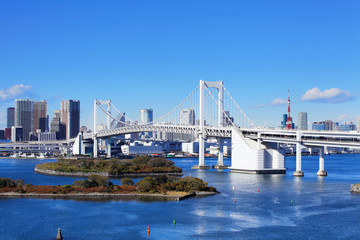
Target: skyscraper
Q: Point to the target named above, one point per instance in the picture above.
(24, 116)
(40, 116)
(119, 123)
(303, 125)
(187, 117)
(10, 117)
(55, 125)
(146, 117)
(70, 118)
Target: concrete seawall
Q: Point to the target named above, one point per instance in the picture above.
(83, 174)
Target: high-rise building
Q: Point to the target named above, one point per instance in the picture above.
(70, 118)
(2, 134)
(24, 116)
(146, 117)
(40, 116)
(328, 125)
(55, 125)
(227, 120)
(7, 134)
(187, 117)
(119, 122)
(303, 125)
(10, 117)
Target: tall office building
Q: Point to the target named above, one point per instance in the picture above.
(10, 117)
(70, 118)
(187, 117)
(40, 116)
(146, 117)
(24, 116)
(55, 125)
(227, 119)
(303, 125)
(119, 122)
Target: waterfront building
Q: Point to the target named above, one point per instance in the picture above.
(303, 125)
(187, 117)
(24, 117)
(141, 148)
(10, 117)
(318, 126)
(2, 134)
(40, 116)
(55, 125)
(327, 125)
(347, 126)
(190, 147)
(146, 117)
(70, 118)
(17, 134)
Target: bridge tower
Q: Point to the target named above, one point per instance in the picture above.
(108, 122)
(202, 134)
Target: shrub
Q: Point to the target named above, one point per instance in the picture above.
(127, 181)
(145, 185)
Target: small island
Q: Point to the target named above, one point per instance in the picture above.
(136, 167)
(168, 187)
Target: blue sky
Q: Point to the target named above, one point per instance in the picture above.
(152, 54)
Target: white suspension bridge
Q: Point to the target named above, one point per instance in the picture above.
(253, 149)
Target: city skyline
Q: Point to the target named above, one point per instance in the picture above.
(141, 59)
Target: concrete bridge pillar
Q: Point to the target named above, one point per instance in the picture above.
(95, 147)
(298, 172)
(321, 171)
(108, 141)
(220, 162)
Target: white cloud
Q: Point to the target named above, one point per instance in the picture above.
(332, 95)
(15, 91)
(278, 101)
(274, 103)
(343, 117)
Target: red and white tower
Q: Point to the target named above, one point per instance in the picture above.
(289, 119)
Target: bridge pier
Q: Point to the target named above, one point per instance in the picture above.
(95, 147)
(220, 162)
(108, 144)
(298, 172)
(321, 172)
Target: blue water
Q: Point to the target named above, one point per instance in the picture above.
(285, 208)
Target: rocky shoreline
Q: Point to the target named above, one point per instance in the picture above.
(84, 174)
